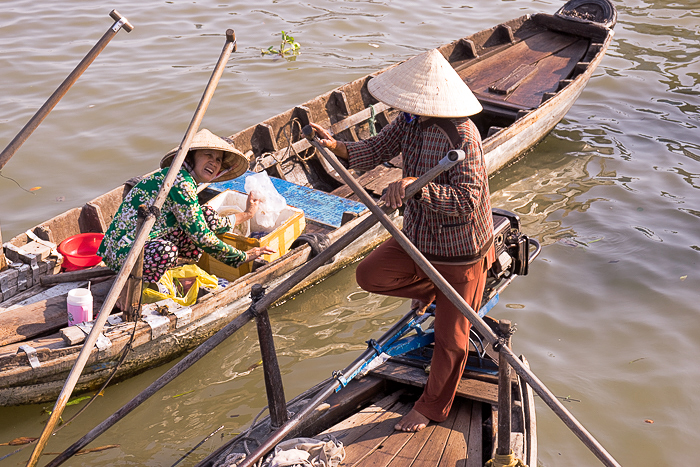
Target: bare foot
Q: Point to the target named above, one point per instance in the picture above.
(413, 421)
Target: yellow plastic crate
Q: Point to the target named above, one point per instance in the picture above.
(289, 226)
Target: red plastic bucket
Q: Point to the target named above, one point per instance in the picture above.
(79, 251)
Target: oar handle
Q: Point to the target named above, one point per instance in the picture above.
(453, 157)
(40, 115)
(121, 22)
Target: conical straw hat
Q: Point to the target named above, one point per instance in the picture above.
(205, 139)
(425, 85)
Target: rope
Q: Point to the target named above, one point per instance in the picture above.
(505, 460)
(287, 130)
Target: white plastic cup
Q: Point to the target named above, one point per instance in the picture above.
(79, 306)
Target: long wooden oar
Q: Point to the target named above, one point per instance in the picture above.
(300, 274)
(546, 395)
(133, 255)
(40, 115)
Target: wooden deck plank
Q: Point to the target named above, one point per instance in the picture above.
(413, 447)
(379, 430)
(527, 52)
(388, 450)
(388, 175)
(469, 388)
(455, 454)
(43, 317)
(475, 456)
(435, 447)
(402, 449)
(374, 181)
(550, 71)
(358, 424)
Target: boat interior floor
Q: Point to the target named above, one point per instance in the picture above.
(370, 439)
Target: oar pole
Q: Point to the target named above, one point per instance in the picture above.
(468, 312)
(40, 115)
(134, 253)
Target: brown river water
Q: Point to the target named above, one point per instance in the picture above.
(608, 316)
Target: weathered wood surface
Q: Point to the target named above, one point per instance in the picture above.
(526, 52)
(474, 389)
(357, 394)
(370, 439)
(81, 275)
(42, 317)
(530, 420)
(550, 71)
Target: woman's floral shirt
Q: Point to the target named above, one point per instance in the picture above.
(181, 210)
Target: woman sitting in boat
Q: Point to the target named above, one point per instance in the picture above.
(184, 228)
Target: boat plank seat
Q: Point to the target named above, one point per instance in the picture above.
(482, 391)
(375, 180)
(370, 439)
(527, 70)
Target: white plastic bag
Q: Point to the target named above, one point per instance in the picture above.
(272, 202)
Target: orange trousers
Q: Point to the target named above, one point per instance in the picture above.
(389, 270)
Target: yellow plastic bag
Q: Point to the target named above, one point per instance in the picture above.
(170, 285)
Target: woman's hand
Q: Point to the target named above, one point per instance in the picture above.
(257, 251)
(251, 207)
(396, 191)
(253, 203)
(337, 147)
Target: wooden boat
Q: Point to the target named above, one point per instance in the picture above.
(359, 406)
(362, 417)
(526, 72)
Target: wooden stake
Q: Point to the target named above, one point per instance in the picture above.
(276, 404)
(134, 286)
(504, 394)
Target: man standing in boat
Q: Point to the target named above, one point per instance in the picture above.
(449, 221)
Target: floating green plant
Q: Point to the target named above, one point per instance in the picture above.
(288, 49)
